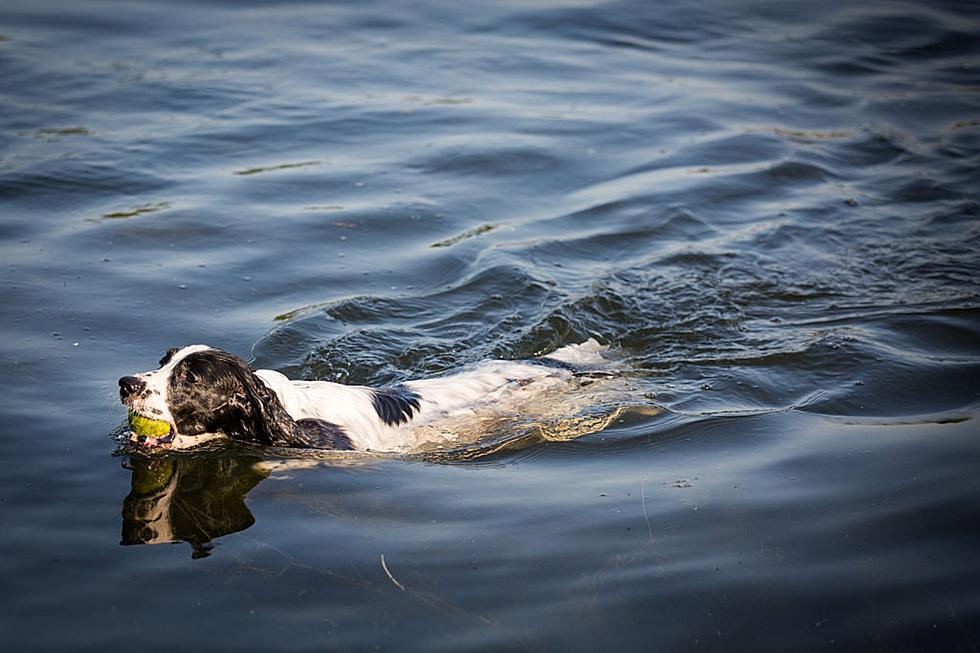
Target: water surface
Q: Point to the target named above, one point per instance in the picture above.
(769, 208)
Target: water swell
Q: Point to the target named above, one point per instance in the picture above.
(730, 316)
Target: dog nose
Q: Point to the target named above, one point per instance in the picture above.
(130, 385)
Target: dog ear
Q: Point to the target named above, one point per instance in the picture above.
(255, 414)
(270, 424)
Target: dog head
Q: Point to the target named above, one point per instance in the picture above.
(202, 392)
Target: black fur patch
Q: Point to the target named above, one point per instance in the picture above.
(167, 356)
(329, 436)
(395, 405)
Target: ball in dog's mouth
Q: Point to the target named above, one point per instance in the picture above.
(148, 431)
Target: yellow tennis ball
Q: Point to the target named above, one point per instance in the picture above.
(151, 428)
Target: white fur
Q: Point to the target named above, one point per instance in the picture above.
(351, 408)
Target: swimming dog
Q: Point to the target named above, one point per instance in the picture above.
(204, 393)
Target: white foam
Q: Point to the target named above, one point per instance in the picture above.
(589, 355)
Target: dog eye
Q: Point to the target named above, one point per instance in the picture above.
(190, 377)
(166, 357)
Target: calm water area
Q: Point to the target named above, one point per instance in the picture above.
(770, 209)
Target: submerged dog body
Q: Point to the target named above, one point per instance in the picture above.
(203, 393)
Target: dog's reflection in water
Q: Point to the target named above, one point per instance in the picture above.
(188, 499)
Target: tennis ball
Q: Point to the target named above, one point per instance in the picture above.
(151, 428)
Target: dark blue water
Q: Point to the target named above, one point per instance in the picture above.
(770, 208)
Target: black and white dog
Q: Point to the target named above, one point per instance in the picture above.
(204, 393)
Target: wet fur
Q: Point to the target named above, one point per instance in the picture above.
(212, 391)
(395, 405)
(205, 393)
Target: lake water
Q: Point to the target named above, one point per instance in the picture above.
(770, 208)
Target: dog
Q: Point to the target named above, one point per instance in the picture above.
(204, 393)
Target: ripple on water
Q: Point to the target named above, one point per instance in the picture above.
(769, 208)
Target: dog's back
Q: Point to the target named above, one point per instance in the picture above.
(447, 409)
